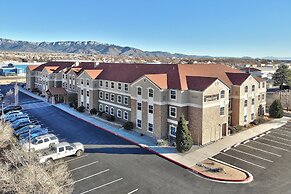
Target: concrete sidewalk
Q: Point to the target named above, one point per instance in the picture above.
(195, 155)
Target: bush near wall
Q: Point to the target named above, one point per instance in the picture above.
(128, 125)
(81, 109)
(276, 109)
(93, 111)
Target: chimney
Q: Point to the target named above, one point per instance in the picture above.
(96, 64)
(77, 63)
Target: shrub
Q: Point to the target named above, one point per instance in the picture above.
(128, 125)
(93, 111)
(110, 118)
(81, 109)
(162, 142)
(100, 113)
(276, 109)
(184, 140)
(71, 104)
(238, 128)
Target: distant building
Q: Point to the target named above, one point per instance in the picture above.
(8, 70)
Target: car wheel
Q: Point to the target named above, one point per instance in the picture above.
(79, 153)
(49, 161)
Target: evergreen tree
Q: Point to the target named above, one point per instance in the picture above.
(276, 109)
(184, 140)
(282, 76)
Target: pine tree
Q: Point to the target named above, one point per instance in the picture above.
(276, 109)
(184, 140)
(282, 76)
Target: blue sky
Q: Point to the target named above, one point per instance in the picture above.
(256, 28)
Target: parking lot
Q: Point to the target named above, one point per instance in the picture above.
(261, 155)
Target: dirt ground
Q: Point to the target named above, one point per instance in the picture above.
(226, 172)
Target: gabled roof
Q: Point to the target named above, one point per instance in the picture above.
(199, 83)
(237, 78)
(50, 69)
(60, 64)
(259, 79)
(32, 67)
(161, 80)
(56, 91)
(249, 69)
(93, 73)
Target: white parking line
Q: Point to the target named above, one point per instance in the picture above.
(262, 150)
(255, 138)
(244, 160)
(102, 186)
(272, 146)
(247, 141)
(87, 177)
(284, 131)
(83, 166)
(280, 138)
(77, 158)
(225, 150)
(280, 134)
(252, 155)
(236, 145)
(276, 142)
(133, 191)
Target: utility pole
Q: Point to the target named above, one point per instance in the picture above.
(29, 145)
(16, 93)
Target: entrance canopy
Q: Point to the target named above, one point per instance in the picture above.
(56, 91)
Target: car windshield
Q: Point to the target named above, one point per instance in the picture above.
(34, 141)
(72, 145)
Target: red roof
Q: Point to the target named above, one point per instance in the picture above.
(237, 78)
(57, 91)
(249, 69)
(161, 80)
(199, 83)
(60, 64)
(259, 79)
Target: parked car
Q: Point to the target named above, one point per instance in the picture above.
(10, 108)
(26, 137)
(16, 122)
(23, 122)
(13, 116)
(41, 142)
(12, 112)
(23, 116)
(25, 129)
(32, 130)
(61, 150)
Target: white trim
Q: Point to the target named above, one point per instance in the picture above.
(115, 105)
(101, 107)
(124, 115)
(138, 87)
(119, 96)
(137, 123)
(111, 97)
(106, 106)
(170, 111)
(101, 95)
(126, 100)
(111, 108)
(113, 91)
(148, 93)
(175, 94)
(152, 127)
(172, 121)
(170, 130)
(118, 110)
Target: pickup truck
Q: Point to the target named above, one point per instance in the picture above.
(61, 150)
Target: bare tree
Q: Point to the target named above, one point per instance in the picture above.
(10, 96)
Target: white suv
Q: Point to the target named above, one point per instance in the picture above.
(41, 142)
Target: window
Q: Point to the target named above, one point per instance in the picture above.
(263, 85)
(125, 115)
(106, 96)
(106, 84)
(87, 82)
(259, 97)
(101, 107)
(69, 148)
(138, 123)
(246, 103)
(119, 99)
(87, 106)
(172, 130)
(259, 85)
(245, 118)
(61, 149)
(46, 139)
(173, 112)
(151, 109)
(173, 94)
(119, 113)
(40, 141)
(82, 92)
(151, 93)
(87, 93)
(253, 88)
(101, 95)
(221, 111)
(253, 101)
(246, 88)
(222, 94)
(101, 83)
(63, 75)
(112, 97)
(139, 91)
(125, 100)
(82, 82)
(138, 106)
(106, 109)
(253, 116)
(150, 127)
(112, 85)
(126, 87)
(112, 111)
(263, 96)
(119, 86)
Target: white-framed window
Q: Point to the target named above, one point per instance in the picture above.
(125, 115)
(82, 92)
(119, 113)
(221, 111)
(173, 111)
(106, 84)
(139, 92)
(82, 81)
(263, 85)
(101, 107)
(246, 89)
(119, 86)
(222, 94)
(151, 93)
(263, 96)
(87, 81)
(173, 94)
(125, 100)
(119, 99)
(87, 93)
(126, 87)
(252, 116)
(259, 85)
(111, 111)
(138, 123)
(106, 96)
(101, 95)
(253, 101)
(246, 103)
(87, 106)
(151, 109)
(106, 109)
(172, 130)
(101, 83)
(112, 85)
(253, 88)
(138, 106)
(112, 97)
(150, 127)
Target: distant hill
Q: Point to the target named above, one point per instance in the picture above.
(84, 47)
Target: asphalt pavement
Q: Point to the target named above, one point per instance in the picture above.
(113, 165)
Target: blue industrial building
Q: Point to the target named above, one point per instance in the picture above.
(10, 69)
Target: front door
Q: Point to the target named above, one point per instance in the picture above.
(224, 130)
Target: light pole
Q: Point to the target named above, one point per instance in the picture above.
(29, 144)
(16, 93)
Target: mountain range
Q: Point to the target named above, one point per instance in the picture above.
(84, 47)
